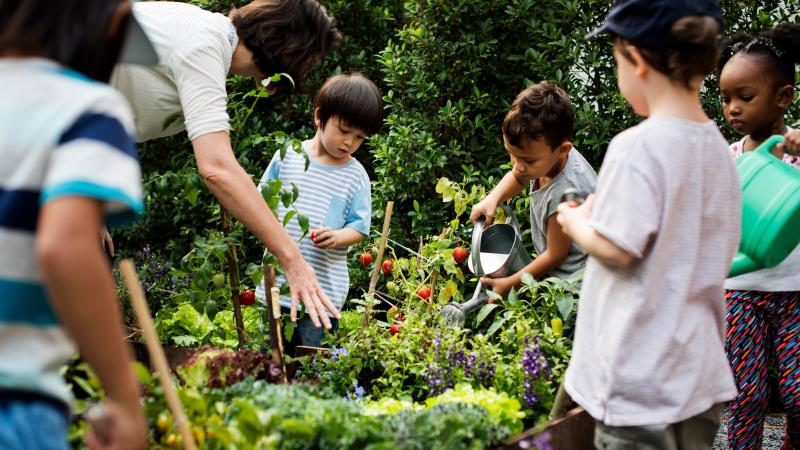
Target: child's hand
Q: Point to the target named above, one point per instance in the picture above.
(791, 143)
(501, 286)
(570, 215)
(324, 238)
(485, 208)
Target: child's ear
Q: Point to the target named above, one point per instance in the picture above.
(641, 67)
(785, 96)
(564, 148)
(317, 121)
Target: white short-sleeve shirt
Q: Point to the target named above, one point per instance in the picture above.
(187, 89)
(650, 338)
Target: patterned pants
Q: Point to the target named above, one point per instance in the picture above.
(761, 324)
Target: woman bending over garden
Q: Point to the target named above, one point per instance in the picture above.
(198, 50)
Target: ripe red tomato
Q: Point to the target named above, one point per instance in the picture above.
(365, 258)
(424, 293)
(460, 254)
(313, 236)
(394, 329)
(247, 298)
(387, 267)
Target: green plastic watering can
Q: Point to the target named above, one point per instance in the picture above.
(771, 209)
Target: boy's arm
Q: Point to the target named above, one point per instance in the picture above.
(575, 222)
(81, 292)
(510, 186)
(341, 238)
(558, 244)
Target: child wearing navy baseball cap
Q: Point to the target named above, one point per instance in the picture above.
(649, 360)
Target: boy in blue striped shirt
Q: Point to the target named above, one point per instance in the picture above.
(67, 165)
(334, 192)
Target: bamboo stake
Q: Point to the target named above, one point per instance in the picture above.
(387, 220)
(157, 357)
(273, 313)
(233, 273)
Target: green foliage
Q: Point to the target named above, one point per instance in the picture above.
(449, 70)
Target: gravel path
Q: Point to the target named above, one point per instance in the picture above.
(773, 433)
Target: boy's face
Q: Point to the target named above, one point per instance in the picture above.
(339, 140)
(628, 82)
(534, 158)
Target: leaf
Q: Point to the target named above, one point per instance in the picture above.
(496, 325)
(513, 299)
(565, 304)
(527, 279)
(485, 311)
(142, 372)
(288, 216)
(303, 221)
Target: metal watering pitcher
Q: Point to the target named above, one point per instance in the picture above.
(498, 239)
(503, 241)
(771, 209)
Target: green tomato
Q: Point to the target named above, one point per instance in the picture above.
(219, 280)
(392, 287)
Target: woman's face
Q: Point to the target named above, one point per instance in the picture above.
(750, 101)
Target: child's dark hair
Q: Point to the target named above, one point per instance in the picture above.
(778, 49)
(286, 35)
(542, 109)
(697, 46)
(354, 99)
(70, 32)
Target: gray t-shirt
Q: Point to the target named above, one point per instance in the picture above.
(578, 175)
(650, 338)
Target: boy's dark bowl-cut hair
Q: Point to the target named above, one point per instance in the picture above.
(354, 99)
(698, 39)
(542, 109)
(286, 36)
(70, 32)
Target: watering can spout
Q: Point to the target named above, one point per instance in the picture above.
(742, 265)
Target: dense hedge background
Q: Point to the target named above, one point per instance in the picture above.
(448, 69)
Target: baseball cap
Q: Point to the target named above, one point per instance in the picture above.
(648, 22)
(137, 49)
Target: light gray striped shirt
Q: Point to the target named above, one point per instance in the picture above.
(650, 338)
(330, 196)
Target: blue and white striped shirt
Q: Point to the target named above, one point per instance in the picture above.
(330, 196)
(61, 134)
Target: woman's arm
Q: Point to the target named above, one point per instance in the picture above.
(234, 189)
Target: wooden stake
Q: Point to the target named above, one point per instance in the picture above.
(233, 274)
(273, 313)
(157, 357)
(387, 220)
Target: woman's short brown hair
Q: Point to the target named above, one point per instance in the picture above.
(286, 35)
(542, 109)
(354, 99)
(699, 38)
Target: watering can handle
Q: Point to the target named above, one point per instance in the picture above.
(511, 219)
(475, 250)
(767, 146)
